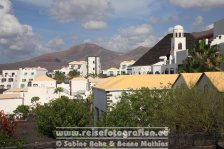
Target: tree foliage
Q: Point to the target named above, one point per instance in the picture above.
(22, 109)
(188, 110)
(7, 128)
(59, 77)
(73, 73)
(203, 57)
(61, 112)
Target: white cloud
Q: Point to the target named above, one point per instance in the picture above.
(70, 10)
(130, 38)
(163, 20)
(198, 21)
(134, 8)
(42, 3)
(208, 27)
(198, 3)
(95, 25)
(17, 40)
(56, 44)
(170, 30)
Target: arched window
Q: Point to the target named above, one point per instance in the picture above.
(176, 35)
(157, 72)
(179, 34)
(179, 46)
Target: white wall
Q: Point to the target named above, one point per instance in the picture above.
(141, 69)
(27, 75)
(111, 72)
(9, 105)
(82, 68)
(44, 83)
(8, 78)
(93, 65)
(104, 100)
(79, 86)
(45, 94)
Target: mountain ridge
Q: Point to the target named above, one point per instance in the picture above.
(56, 60)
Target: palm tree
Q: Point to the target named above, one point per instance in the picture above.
(35, 99)
(203, 57)
(59, 90)
(34, 102)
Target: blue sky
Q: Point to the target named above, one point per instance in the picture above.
(30, 28)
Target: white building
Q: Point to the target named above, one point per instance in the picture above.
(108, 93)
(27, 75)
(141, 69)
(8, 78)
(111, 72)
(64, 70)
(166, 55)
(218, 33)
(44, 81)
(80, 86)
(11, 99)
(124, 67)
(80, 66)
(42, 87)
(93, 65)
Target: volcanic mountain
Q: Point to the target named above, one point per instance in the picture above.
(56, 60)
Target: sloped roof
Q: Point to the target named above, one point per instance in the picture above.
(44, 78)
(9, 96)
(17, 90)
(128, 62)
(78, 62)
(78, 78)
(113, 68)
(217, 79)
(124, 82)
(191, 78)
(162, 48)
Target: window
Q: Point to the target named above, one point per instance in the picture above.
(13, 74)
(111, 73)
(29, 84)
(8, 86)
(22, 85)
(123, 66)
(3, 79)
(179, 46)
(35, 85)
(25, 73)
(166, 71)
(171, 71)
(10, 79)
(93, 62)
(157, 72)
(2, 86)
(220, 37)
(123, 72)
(93, 68)
(176, 35)
(32, 73)
(6, 74)
(23, 80)
(179, 34)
